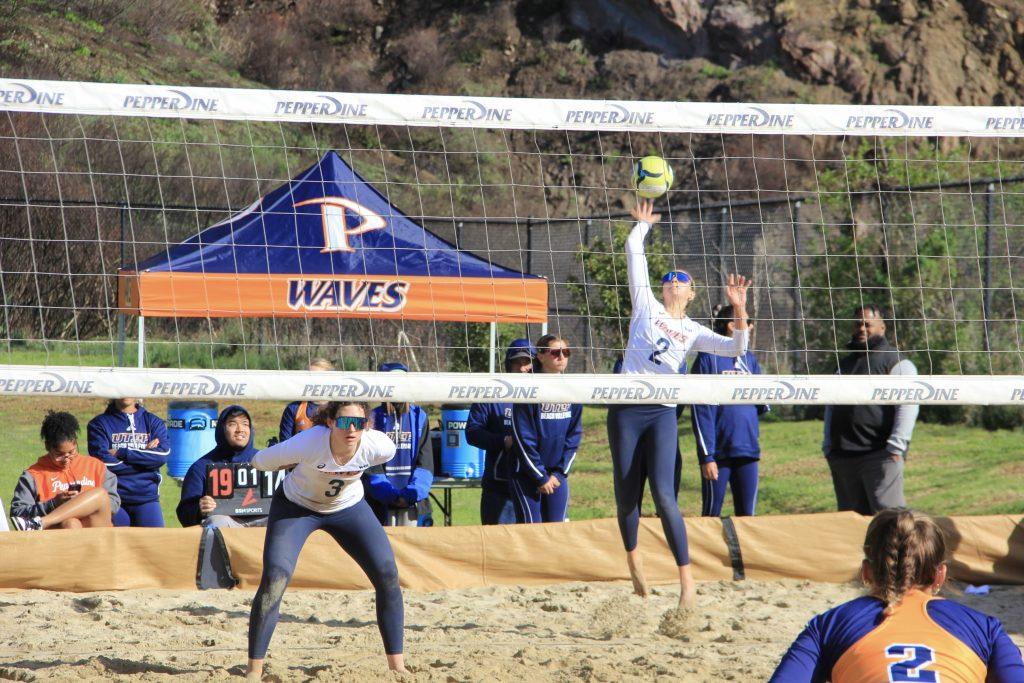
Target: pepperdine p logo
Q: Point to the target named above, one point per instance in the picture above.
(753, 117)
(202, 385)
(330, 106)
(926, 392)
(610, 114)
(53, 384)
(347, 388)
(177, 100)
(496, 389)
(336, 230)
(784, 391)
(894, 119)
(22, 93)
(640, 391)
(473, 111)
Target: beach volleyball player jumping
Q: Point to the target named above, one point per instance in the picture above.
(644, 438)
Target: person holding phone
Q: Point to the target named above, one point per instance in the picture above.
(64, 489)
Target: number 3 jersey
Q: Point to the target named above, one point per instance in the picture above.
(926, 639)
(317, 482)
(659, 343)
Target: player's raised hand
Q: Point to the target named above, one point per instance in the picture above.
(736, 290)
(644, 212)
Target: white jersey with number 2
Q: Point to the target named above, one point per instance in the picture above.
(659, 343)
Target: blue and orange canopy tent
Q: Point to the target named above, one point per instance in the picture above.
(327, 244)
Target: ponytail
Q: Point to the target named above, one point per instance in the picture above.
(904, 550)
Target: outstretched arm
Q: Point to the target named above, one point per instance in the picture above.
(640, 293)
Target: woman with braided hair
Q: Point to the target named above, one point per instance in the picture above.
(901, 631)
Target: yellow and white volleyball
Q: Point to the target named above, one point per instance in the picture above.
(652, 177)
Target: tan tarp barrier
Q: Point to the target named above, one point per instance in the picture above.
(821, 547)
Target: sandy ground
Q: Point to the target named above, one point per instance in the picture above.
(590, 632)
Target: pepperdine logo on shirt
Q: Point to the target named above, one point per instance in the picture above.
(926, 392)
(329, 106)
(473, 111)
(895, 119)
(782, 391)
(22, 93)
(57, 486)
(347, 388)
(640, 391)
(53, 383)
(496, 389)
(752, 117)
(611, 114)
(176, 100)
(201, 385)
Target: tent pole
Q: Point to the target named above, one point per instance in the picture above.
(494, 345)
(142, 341)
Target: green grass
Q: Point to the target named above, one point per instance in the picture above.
(952, 470)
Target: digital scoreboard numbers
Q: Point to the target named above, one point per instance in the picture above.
(241, 490)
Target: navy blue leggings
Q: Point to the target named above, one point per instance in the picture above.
(358, 532)
(644, 441)
(533, 507)
(141, 514)
(739, 474)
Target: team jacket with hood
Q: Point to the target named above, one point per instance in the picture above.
(547, 435)
(35, 495)
(410, 473)
(486, 428)
(193, 487)
(729, 431)
(136, 466)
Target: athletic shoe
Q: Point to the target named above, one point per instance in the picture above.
(28, 523)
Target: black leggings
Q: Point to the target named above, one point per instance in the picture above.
(358, 532)
(644, 441)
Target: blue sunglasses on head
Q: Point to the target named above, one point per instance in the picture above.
(677, 275)
(345, 422)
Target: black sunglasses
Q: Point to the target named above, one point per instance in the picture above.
(557, 353)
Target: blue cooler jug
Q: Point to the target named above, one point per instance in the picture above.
(191, 427)
(458, 458)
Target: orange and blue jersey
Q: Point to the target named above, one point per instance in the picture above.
(926, 639)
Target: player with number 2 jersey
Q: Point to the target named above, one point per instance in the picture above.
(644, 438)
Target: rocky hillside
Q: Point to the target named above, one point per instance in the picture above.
(870, 51)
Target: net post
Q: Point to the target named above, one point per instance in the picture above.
(494, 346)
(986, 298)
(142, 341)
(120, 314)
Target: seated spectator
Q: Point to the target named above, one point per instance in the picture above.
(399, 490)
(63, 489)
(298, 416)
(490, 427)
(901, 631)
(133, 443)
(234, 444)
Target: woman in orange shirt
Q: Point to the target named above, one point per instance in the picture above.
(64, 489)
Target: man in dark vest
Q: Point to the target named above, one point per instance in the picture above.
(866, 445)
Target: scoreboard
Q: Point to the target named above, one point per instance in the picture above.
(241, 490)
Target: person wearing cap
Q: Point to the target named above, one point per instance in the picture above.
(398, 491)
(644, 439)
(490, 427)
(298, 416)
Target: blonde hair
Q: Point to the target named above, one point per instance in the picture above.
(321, 363)
(904, 550)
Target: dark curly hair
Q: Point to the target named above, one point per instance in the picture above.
(58, 428)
